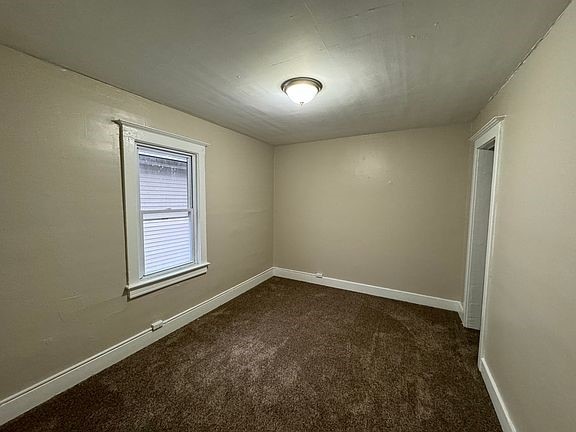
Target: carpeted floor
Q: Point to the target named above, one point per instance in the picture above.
(289, 356)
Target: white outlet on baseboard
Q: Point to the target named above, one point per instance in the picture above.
(156, 325)
(319, 275)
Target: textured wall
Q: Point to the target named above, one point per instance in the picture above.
(61, 221)
(385, 209)
(531, 322)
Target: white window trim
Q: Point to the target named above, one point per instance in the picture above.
(131, 135)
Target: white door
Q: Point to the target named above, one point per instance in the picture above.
(479, 220)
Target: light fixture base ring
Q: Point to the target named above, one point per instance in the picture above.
(312, 81)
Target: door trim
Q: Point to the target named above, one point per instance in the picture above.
(491, 132)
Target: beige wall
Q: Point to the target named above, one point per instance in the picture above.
(62, 269)
(386, 209)
(531, 322)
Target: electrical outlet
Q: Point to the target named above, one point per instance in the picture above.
(156, 325)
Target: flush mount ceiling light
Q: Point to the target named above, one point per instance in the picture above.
(301, 90)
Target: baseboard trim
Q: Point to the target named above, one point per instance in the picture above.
(421, 299)
(461, 315)
(19, 403)
(496, 397)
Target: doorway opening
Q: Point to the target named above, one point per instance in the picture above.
(479, 217)
(487, 146)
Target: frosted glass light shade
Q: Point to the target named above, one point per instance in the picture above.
(301, 90)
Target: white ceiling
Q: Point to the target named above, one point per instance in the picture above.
(385, 64)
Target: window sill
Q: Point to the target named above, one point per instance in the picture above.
(155, 283)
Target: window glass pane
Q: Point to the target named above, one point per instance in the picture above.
(167, 242)
(163, 180)
(164, 199)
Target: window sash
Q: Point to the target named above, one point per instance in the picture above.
(175, 214)
(168, 245)
(170, 155)
(169, 214)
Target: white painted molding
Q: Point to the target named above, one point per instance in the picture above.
(134, 136)
(461, 314)
(491, 123)
(19, 403)
(496, 397)
(160, 132)
(492, 131)
(421, 299)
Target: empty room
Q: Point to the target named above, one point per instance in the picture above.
(274, 215)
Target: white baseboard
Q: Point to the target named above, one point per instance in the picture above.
(421, 299)
(496, 397)
(461, 315)
(19, 403)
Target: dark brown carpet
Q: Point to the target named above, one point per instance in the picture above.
(289, 356)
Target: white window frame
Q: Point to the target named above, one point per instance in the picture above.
(132, 135)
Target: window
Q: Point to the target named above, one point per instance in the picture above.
(164, 205)
(166, 208)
